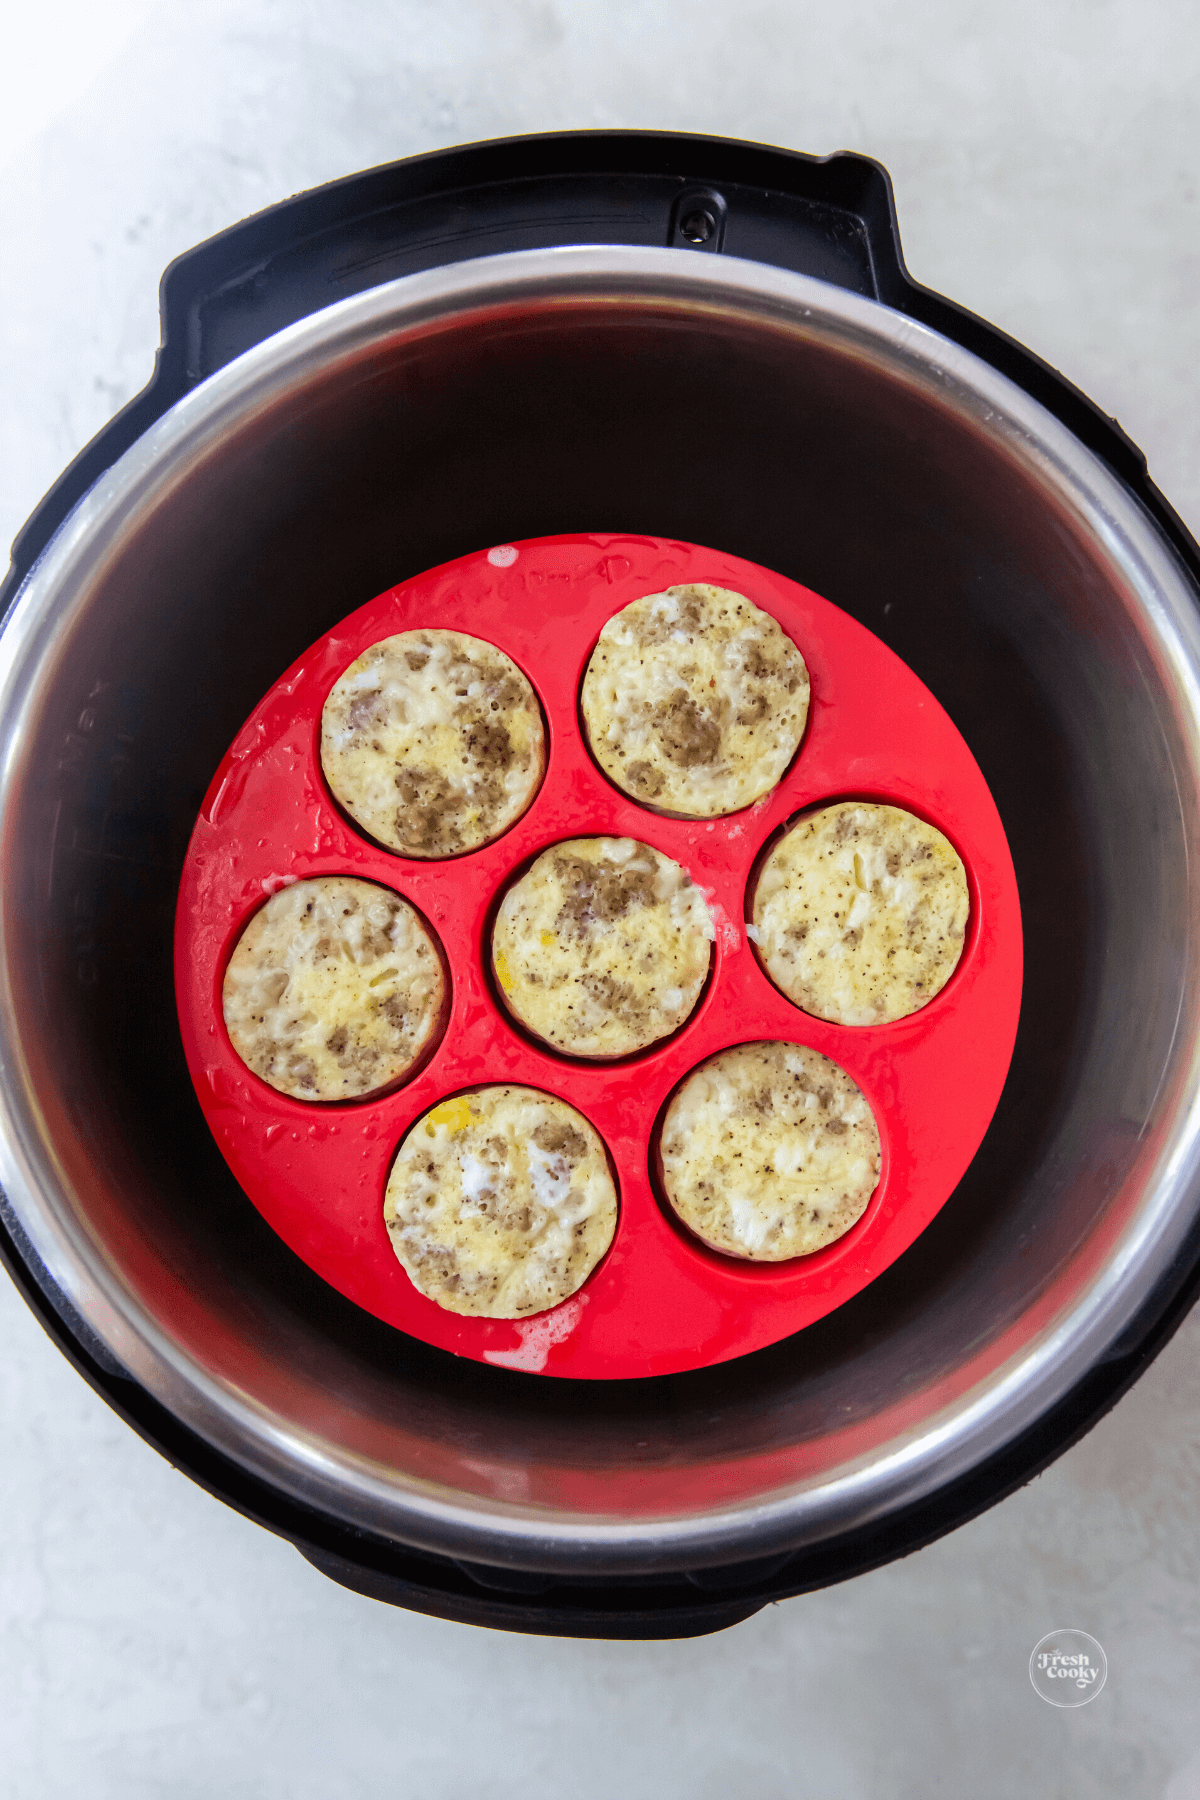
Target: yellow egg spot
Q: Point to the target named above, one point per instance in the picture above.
(503, 975)
(547, 937)
(455, 1115)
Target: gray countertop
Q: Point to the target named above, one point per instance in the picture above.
(153, 1643)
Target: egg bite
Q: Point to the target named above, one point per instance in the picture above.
(602, 947)
(768, 1151)
(335, 990)
(860, 913)
(694, 701)
(433, 743)
(500, 1202)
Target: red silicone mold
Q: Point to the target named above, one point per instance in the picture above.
(659, 1302)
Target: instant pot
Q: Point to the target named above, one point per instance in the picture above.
(634, 333)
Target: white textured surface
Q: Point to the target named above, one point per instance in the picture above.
(153, 1644)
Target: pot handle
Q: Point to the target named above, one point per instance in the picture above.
(471, 1595)
(831, 217)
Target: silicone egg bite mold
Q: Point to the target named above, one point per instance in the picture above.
(659, 1301)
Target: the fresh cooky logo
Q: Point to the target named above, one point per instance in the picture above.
(1068, 1668)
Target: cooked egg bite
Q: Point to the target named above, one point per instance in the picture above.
(500, 1202)
(860, 912)
(769, 1151)
(335, 990)
(694, 701)
(602, 947)
(433, 742)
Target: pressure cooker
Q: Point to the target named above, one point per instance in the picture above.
(646, 333)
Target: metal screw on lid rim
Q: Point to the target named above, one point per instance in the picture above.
(697, 227)
(698, 220)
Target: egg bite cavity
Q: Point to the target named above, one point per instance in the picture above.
(694, 701)
(336, 990)
(860, 913)
(500, 1202)
(602, 947)
(433, 742)
(768, 1152)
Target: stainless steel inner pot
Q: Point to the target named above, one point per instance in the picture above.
(626, 390)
